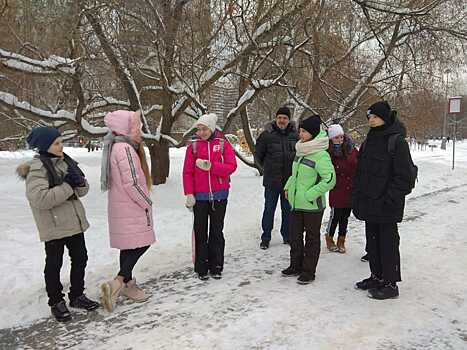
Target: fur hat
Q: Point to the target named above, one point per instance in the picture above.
(335, 130)
(42, 137)
(208, 120)
(312, 125)
(284, 111)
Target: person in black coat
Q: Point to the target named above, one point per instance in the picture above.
(275, 152)
(381, 182)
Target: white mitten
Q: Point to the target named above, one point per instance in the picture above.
(190, 201)
(203, 164)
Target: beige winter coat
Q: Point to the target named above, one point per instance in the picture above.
(56, 215)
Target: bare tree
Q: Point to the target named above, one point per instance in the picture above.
(164, 58)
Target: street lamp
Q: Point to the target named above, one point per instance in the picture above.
(443, 139)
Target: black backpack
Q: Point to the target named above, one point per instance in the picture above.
(392, 151)
(413, 168)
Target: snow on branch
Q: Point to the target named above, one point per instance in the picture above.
(396, 9)
(301, 103)
(59, 118)
(105, 102)
(246, 98)
(259, 34)
(93, 130)
(52, 65)
(12, 101)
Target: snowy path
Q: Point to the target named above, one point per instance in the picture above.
(252, 307)
(187, 313)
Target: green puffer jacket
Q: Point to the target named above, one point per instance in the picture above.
(55, 213)
(312, 175)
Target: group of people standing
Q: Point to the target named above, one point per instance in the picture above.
(299, 168)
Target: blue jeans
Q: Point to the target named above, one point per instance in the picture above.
(271, 196)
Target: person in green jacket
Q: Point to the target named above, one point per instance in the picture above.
(312, 176)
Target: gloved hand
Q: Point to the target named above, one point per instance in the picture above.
(203, 164)
(190, 202)
(74, 177)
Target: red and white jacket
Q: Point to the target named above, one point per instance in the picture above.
(214, 183)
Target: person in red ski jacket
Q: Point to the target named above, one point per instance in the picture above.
(209, 162)
(344, 158)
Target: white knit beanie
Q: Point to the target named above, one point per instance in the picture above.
(335, 130)
(208, 120)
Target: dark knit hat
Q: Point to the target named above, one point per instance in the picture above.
(382, 109)
(284, 111)
(312, 125)
(42, 137)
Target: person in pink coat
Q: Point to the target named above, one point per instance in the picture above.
(209, 162)
(126, 176)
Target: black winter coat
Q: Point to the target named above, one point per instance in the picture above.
(382, 180)
(275, 152)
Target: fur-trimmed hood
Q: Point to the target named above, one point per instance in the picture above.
(22, 170)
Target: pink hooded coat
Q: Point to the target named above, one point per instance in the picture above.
(129, 204)
(223, 164)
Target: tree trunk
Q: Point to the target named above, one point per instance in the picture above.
(160, 162)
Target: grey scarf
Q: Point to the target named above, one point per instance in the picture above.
(109, 140)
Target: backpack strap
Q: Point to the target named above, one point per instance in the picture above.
(392, 144)
(362, 147)
(193, 147)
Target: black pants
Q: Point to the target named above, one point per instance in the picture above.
(339, 216)
(128, 260)
(383, 250)
(305, 256)
(209, 248)
(53, 264)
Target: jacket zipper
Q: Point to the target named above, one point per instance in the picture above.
(296, 178)
(211, 197)
(148, 220)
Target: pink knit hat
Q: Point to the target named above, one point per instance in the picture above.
(125, 123)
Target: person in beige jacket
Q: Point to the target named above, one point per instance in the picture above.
(54, 183)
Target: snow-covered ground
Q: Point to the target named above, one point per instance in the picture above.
(252, 307)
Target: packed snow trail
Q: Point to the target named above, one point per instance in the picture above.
(186, 313)
(252, 307)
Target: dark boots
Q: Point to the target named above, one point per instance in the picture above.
(305, 278)
(387, 291)
(60, 311)
(264, 245)
(83, 302)
(369, 283)
(291, 271)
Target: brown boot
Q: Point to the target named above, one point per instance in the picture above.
(110, 293)
(330, 243)
(341, 244)
(133, 292)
